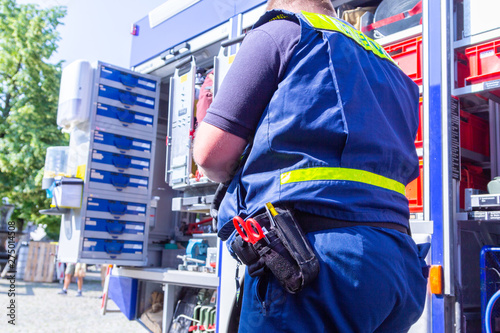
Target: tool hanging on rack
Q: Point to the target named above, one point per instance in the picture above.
(392, 16)
(194, 228)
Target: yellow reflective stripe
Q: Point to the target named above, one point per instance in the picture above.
(353, 175)
(324, 22)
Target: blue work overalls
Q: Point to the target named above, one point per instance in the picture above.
(337, 140)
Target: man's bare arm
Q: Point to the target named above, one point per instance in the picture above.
(216, 152)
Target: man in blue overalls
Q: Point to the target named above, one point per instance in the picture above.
(329, 122)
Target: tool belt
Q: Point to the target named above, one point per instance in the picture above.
(312, 223)
(285, 252)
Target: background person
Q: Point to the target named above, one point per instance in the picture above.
(78, 270)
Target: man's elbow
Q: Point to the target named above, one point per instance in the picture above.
(204, 156)
(213, 173)
(209, 166)
(217, 152)
(200, 158)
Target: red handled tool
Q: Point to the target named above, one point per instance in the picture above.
(252, 231)
(417, 9)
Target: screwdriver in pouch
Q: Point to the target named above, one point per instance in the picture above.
(271, 213)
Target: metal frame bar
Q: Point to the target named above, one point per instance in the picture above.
(494, 114)
(168, 306)
(448, 197)
(443, 189)
(425, 116)
(433, 194)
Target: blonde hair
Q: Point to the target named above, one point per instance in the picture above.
(315, 6)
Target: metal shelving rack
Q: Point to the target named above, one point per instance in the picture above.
(442, 218)
(456, 309)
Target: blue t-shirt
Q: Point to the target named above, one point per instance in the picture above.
(253, 78)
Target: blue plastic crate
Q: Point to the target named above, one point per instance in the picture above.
(125, 116)
(120, 161)
(127, 98)
(115, 207)
(113, 228)
(122, 143)
(127, 79)
(119, 181)
(490, 282)
(112, 246)
(123, 291)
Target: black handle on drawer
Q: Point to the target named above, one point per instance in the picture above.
(113, 247)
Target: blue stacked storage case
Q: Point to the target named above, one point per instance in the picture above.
(118, 179)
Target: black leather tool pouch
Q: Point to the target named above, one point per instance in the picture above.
(285, 252)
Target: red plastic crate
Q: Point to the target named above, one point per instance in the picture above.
(408, 55)
(462, 70)
(419, 140)
(472, 177)
(415, 191)
(474, 133)
(484, 61)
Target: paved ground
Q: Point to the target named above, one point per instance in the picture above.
(40, 309)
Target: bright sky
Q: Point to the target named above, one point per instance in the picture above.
(97, 29)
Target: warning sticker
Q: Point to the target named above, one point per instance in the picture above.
(133, 246)
(136, 208)
(147, 84)
(138, 181)
(141, 163)
(486, 54)
(141, 144)
(146, 119)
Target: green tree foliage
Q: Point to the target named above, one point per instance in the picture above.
(29, 90)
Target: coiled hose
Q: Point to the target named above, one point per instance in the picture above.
(489, 310)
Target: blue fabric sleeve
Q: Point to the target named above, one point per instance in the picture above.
(253, 78)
